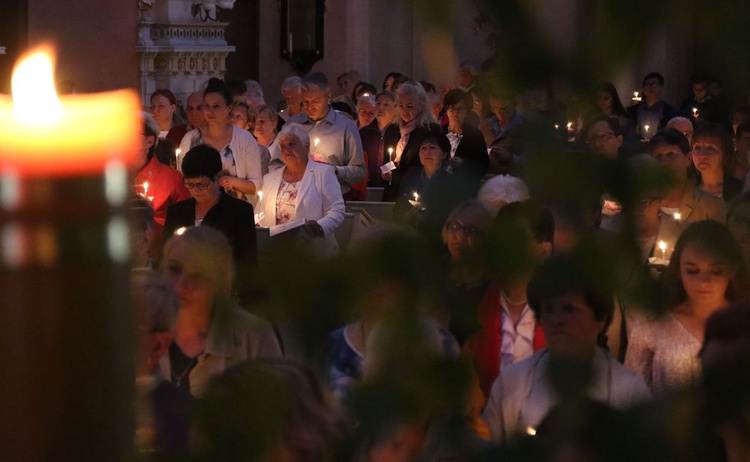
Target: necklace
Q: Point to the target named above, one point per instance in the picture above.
(177, 379)
(511, 302)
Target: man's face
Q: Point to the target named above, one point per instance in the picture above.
(569, 326)
(700, 90)
(503, 109)
(194, 109)
(602, 140)
(293, 100)
(672, 157)
(652, 88)
(684, 127)
(315, 103)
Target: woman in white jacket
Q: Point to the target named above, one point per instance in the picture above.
(303, 192)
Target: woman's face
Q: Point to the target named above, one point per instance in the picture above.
(240, 117)
(431, 156)
(385, 109)
(707, 155)
(215, 109)
(389, 83)
(408, 107)
(294, 151)
(264, 128)
(462, 234)
(162, 110)
(202, 188)
(192, 289)
(704, 276)
(604, 101)
(457, 113)
(366, 113)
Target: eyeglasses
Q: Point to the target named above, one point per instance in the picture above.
(600, 138)
(456, 109)
(202, 186)
(468, 230)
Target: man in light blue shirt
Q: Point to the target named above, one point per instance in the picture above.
(334, 138)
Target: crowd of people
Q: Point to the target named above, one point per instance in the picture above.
(560, 280)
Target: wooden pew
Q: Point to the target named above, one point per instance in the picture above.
(379, 211)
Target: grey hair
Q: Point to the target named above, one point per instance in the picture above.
(366, 99)
(155, 301)
(414, 89)
(268, 111)
(316, 81)
(254, 90)
(675, 120)
(296, 131)
(291, 83)
(503, 187)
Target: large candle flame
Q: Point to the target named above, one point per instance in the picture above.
(33, 87)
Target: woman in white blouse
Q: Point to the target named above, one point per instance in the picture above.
(240, 154)
(303, 191)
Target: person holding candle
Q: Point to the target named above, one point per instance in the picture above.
(302, 191)
(608, 102)
(712, 155)
(468, 148)
(340, 146)
(415, 121)
(240, 154)
(212, 206)
(159, 184)
(685, 203)
(212, 333)
(701, 105)
(163, 105)
(428, 193)
(291, 90)
(707, 272)
(373, 134)
(652, 110)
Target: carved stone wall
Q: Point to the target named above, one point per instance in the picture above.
(177, 50)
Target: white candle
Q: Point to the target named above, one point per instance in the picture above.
(390, 154)
(677, 216)
(663, 248)
(315, 143)
(177, 153)
(636, 96)
(416, 197)
(260, 196)
(646, 127)
(695, 112)
(570, 125)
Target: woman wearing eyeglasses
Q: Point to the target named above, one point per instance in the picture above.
(468, 149)
(211, 206)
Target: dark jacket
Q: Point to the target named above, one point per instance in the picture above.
(410, 156)
(473, 151)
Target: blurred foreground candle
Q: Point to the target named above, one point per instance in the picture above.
(66, 330)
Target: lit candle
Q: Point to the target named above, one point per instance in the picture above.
(180, 231)
(416, 197)
(695, 112)
(663, 248)
(390, 154)
(260, 195)
(646, 127)
(177, 152)
(531, 431)
(677, 216)
(315, 143)
(365, 94)
(557, 127)
(65, 250)
(145, 188)
(636, 96)
(78, 134)
(570, 125)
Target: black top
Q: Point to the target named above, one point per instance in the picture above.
(410, 156)
(473, 151)
(231, 216)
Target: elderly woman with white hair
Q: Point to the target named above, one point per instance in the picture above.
(303, 192)
(501, 190)
(212, 333)
(405, 138)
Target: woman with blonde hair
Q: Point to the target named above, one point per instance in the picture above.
(212, 333)
(415, 120)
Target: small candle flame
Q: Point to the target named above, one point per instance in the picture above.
(646, 127)
(315, 143)
(260, 195)
(531, 431)
(33, 89)
(677, 216)
(416, 197)
(662, 246)
(145, 187)
(570, 125)
(365, 94)
(695, 112)
(557, 127)
(180, 231)
(177, 152)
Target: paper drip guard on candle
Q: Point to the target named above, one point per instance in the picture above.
(66, 329)
(387, 167)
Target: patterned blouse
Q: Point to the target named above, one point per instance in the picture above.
(286, 202)
(663, 353)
